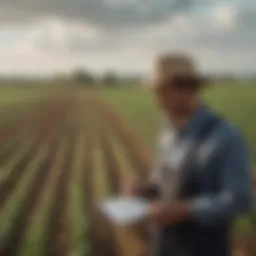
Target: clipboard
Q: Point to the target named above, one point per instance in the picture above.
(124, 210)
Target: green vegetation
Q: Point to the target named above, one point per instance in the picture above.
(124, 165)
(78, 223)
(237, 103)
(137, 107)
(34, 236)
(14, 159)
(16, 200)
(100, 174)
(18, 99)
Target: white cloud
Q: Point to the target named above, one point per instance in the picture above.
(226, 16)
(219, 35)
(121, 3)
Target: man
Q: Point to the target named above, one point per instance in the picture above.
(201, 180)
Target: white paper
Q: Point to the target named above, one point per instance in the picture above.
(124, 210)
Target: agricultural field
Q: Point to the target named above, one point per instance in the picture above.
(235, 102)
(64, 151)
(56, 162)
(18, 99)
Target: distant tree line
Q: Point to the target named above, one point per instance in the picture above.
(109, 78)
(87, 78)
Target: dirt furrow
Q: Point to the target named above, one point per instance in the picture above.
(140, 157)
(139, 162)
(11, 244)
(25, 120)
(110, 242)
(136, 160)
(7, 185)
(6, 154)
(110, 162)
(98, 233)
(57, 239)
(115, 241)
(131, 240)
(24, 127)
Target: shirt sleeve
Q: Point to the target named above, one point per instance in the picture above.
(236, 196)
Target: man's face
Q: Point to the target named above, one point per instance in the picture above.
(178, 98)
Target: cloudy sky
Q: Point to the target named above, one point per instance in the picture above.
(45, 36)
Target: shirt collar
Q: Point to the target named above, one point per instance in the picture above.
(196, 121)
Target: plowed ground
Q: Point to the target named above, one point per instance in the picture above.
(55, 165)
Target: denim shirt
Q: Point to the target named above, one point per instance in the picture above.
(222, 164)
(219, 187)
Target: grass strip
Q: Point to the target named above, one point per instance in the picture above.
(15, 202)
(100, 174)
(78, 222)
(33, 242)
(6, 169)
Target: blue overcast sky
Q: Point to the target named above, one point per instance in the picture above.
(45, 36)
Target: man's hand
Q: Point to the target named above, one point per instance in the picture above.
(166, 214)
